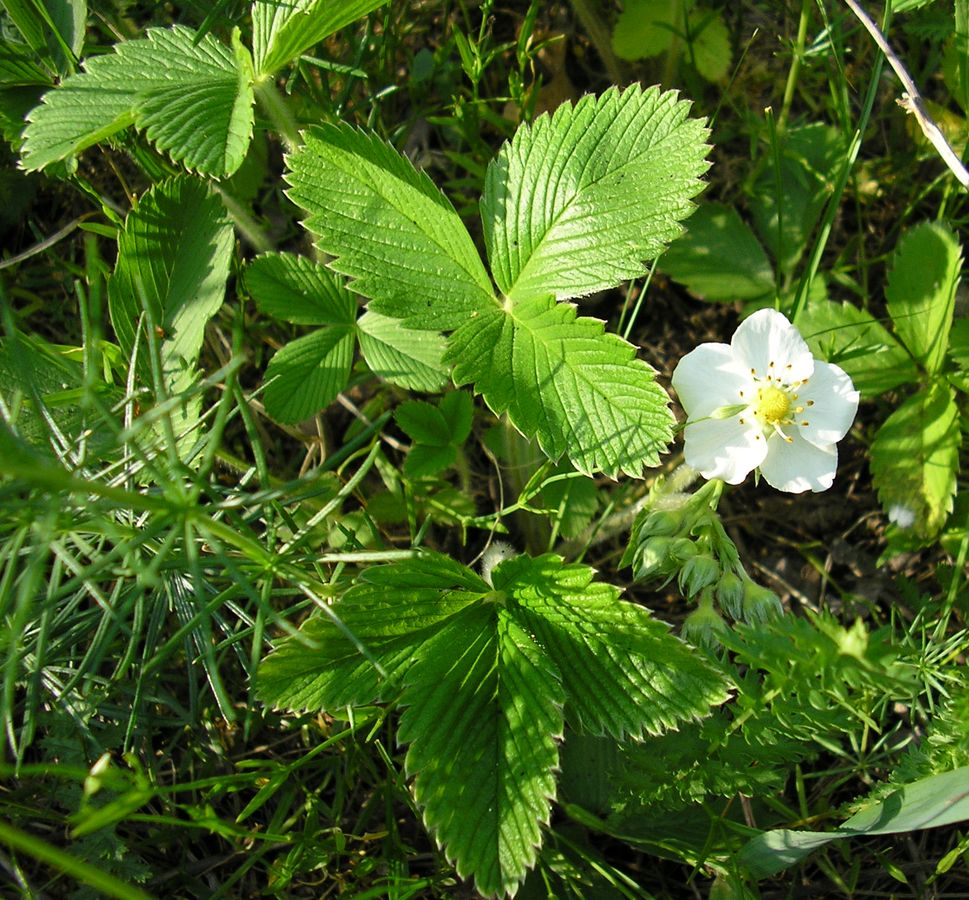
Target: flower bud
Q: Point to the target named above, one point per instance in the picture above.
(760, 604)
(703, 627)
(662, 522)
(683, 549)
(730, 594)
(697, 573)
(654, 557)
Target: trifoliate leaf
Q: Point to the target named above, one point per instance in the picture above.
(192, 99)
(389, 227)
(921, 291)
(402, 356)
(580, 391)
(305, 375)
(298, 290)
(850, 338)
(436, 430)
(483, 694)
(915, 460)
(173, 262)
(282, 30)
(719, 257)
(574, 618)
(577, 201)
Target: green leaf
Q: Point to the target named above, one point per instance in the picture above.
(709, 45)
(429, 459)
(19, 68)
(915, 459)
(298, 290)
(577, 201)
(663, 679)
(921, 291)
(305, 375)
(54, 29)
(389, 227)
(424, 423)
(580, 391)
(483, 719)
(282, 30)
(719, 257)
(959, 343)
(173, 262)
(405, 357)
(483, 693)
(646, 28)
(930, 803)
(436, 430)
(808, 156)
(458, 410)
(192, 100)
(850, 338)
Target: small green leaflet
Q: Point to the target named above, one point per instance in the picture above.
(437, 432)
(915, 458)
(307, 374)
(173, 262)
(487, 678)
(921, 291)
(578, 201)
(192, 100)
(391, 230)
(405, 357)
(284, 29)
(581, 392)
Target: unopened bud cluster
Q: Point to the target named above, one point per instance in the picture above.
(679, 535)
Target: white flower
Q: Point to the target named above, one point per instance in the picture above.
(764, 401)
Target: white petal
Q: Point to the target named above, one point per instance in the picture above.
(723, 448)
(767, 337)
(710, 377)
(835, 404)
(799, 466)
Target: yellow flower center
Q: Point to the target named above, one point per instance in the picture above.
(773, 405)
